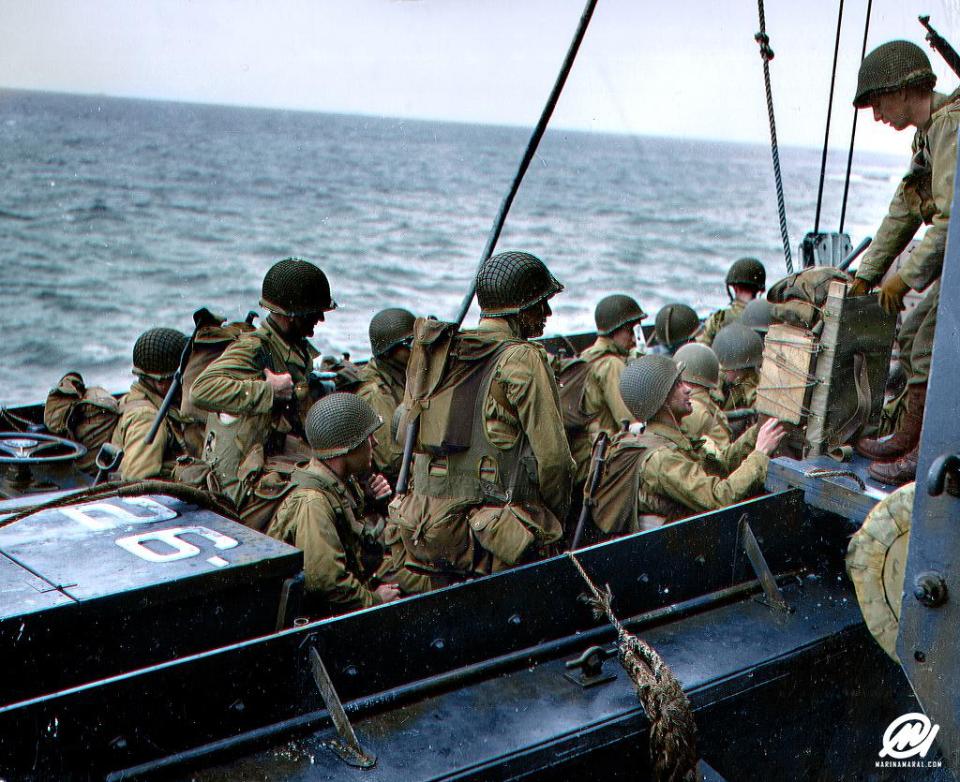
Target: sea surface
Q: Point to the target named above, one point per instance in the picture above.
(119, 215)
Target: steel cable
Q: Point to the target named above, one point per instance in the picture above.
(826, 133)
(853, 131)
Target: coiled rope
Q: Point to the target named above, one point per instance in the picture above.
(673, 731)
(766, 54)
(853, 131)
(826, 133)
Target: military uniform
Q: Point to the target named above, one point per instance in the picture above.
(382, 387)
(138, 409)
(323, 517)
(719, 319)
(743, 393)
(707, 421)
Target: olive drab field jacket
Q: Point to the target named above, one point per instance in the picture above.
(719, 319)
(382, 387)
(924, 196)
(707, 421)
(742, 395)
(138, 409)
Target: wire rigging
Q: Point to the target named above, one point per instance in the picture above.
(826, 133)
(853, 131)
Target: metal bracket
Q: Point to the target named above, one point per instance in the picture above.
(590, 664)
(944, 474)
(291, 599)
(772, 596)
(345, 746)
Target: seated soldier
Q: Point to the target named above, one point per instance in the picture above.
(323, 516)
(156, 357)
(675, 325)
(701, 373)
(383, 379)
(740, 351)
(747, 278)
(660, 476)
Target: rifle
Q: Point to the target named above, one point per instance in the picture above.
(413, 427)
(940, 44)
(597, 460)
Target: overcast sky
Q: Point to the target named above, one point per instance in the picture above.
(689, 68)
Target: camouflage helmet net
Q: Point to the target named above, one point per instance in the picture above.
(738, 347)
(757, 315)
(892, 66)
(388, 328)
(615, 311)
(156, 353)
(340, 422)
(675, 324)
(296, 288)
(512, 281)
(646, 383)
(749, 272)
(700, 364)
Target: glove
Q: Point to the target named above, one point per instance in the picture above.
(860, 287)
(891, 294)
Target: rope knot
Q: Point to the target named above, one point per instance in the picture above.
(765, 51)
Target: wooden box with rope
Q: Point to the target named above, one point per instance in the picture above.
(829, 380)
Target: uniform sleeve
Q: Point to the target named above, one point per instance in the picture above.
(386, 455)
(609, 372)
(140, 460)
(306, 520)
(731, 456)
(926, 262)
(681, 477)
(531, 388)
(234, 383)
(892, 237)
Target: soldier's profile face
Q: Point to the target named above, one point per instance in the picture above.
(890, 108)
(679, 399)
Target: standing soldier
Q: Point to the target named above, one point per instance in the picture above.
(323, 516)
(675, 325)
(383, 380)
(896, 81)
(740, 352)
(156, 357)
(257, 392)
(492, 475)
(616, 317)
(660, 476)
(746, 279)
(701, 373)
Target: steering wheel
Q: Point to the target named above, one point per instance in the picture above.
(27, 449)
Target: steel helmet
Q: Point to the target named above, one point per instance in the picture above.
(511, 281)
(675, 324)
(646, 383)
(890, 67)
(757, 315)
(700, 364)
(749, 272)
(615, 311)
(388, 328)
(156, 353)
(738, 347)
(296, 288)
(340, 422)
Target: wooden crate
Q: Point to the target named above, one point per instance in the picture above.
(789, 358)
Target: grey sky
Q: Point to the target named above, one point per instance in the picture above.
(687, 68)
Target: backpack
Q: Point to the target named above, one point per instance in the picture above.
(571, 374)
(85, 415)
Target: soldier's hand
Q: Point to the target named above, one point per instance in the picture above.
(378, 487)
(282, 385)
(891, 294)
(387, 592)
(769, 437)
(860, 287)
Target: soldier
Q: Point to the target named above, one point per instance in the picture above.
(257, 392)
(757, 315)
(896, 82)
(323, 516)
(701, 373)
(660, 475)
(156, 357)
(616, 317)
(675, 325)
(497, 497)
(740, 352)
(383, 380)
(746, 279)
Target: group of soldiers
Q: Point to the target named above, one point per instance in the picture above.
(498, 455)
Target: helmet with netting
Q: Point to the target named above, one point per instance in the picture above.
(890, 67)
(738, 347)
(700, 364)
(388, 328)
(646, 383)
(676, 324)
(512, 281)
(749, 272)
(296, 288)
(757, 315)
(340, 422)
(156, 353)
(615, 311)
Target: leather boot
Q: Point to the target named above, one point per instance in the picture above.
(898, 472)
(907, 435)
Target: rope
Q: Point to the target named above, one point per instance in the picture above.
(673, 731)
(826, 134)
(19, 424)
(766, 54)
(853, 131)
(825, 472)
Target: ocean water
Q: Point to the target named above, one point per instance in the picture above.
(118, 215)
